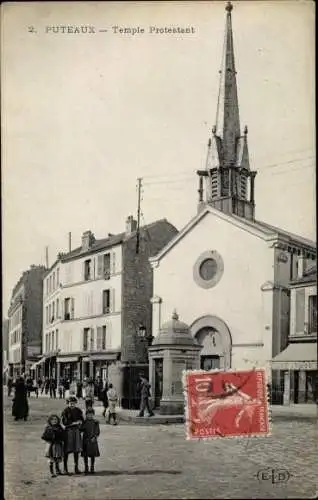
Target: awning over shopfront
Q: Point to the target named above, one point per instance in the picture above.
(40, 362)
(67, 359)
(101, 357)
(297, 356)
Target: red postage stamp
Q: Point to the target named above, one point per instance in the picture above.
(226, 404)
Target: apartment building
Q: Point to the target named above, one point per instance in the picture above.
(25, 321)
(298, 361)
(96, 305)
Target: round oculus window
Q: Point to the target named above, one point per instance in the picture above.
(208, 269)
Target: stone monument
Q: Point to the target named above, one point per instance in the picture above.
(175, 350)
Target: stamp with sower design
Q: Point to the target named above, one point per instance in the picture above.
(226, 404)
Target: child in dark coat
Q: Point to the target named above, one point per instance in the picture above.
(72, 419)
(54, 436)
(90, 429)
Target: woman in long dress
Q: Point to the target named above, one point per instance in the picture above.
(20, 407)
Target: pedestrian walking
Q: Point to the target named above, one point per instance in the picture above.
(105, 398)
(10, 385)
(90, 429)
(73, 388)
(52, 388)
(72, 419)
(39, 384)
(61, 389)
(145, 397)
(47, 385)
(53, 435)
(99, 389)
(20, 406)
(79, 389)
(29, 385)
(43, 385)
(112, 402)
(90, 391)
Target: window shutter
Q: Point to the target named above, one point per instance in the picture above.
(62, 309)
(108, 337)
(92, 340)
(72, 308)
(112, 300)
(100, 266)
(99, 338)
(114, 263)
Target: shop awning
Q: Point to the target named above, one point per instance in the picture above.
(67, 359)
(6, 369)
(101, 357)
(39, 362)
(297, 356)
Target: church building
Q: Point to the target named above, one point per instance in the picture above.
(227, 273)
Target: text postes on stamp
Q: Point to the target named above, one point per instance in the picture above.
(226, 404)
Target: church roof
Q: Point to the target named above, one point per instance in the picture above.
(259, 229)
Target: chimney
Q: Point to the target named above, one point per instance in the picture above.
(87, 240)
(131, 224)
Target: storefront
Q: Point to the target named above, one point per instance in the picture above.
(96, 365)
(68, 367)
(298, 362)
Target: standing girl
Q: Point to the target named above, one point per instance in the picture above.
(91, 431)
(54, 436)
(89, 399)
(72, 419)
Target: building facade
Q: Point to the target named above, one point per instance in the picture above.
(299, 360)
(96, 300)
(25, 321)
(5, 344)
(226, 272)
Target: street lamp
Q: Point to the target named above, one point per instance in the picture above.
(141, 332)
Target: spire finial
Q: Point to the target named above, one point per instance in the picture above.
(175, 315)
(245, 130)
(214, 130)
(229, 7)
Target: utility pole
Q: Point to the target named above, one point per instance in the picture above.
(47, 257)
(139, 186)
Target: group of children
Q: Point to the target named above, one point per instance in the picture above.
(72, 434)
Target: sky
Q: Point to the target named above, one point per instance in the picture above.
(85, 115)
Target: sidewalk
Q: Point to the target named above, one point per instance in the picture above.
(299, 412)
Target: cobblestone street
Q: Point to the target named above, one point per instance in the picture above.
(157, 462)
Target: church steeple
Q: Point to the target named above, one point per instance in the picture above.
(227, 116)
(229, 182)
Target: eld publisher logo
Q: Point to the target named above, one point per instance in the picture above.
(275, 476)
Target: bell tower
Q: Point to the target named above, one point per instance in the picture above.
(227, 183)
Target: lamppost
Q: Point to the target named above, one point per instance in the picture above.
(146, 337)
